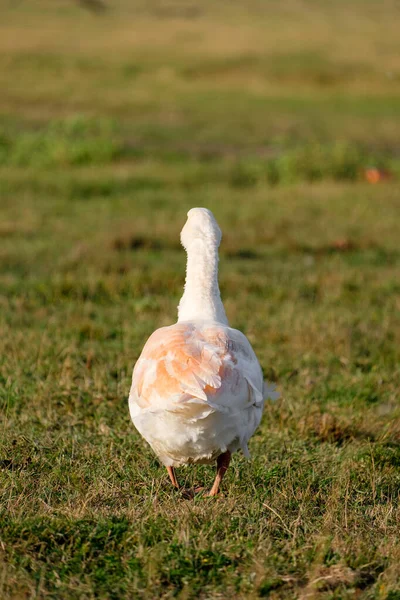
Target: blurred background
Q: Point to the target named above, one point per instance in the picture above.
(261, 92)
(283, 118)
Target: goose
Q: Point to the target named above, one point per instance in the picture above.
(197, 391)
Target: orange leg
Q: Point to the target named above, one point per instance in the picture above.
(222, 465)
(172, 476)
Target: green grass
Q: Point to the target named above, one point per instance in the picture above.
(112, 125)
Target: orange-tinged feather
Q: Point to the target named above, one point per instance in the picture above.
(184, 359)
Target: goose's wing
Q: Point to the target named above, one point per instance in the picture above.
(185, 364)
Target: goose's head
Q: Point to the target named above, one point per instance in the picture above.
(200, 225)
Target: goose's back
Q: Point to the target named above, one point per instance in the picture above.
(197, 390)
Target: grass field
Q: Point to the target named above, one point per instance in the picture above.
(113, 123)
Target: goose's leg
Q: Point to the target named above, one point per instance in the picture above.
(172, 476)
(222, 464)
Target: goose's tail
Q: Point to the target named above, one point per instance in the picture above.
(269, 391)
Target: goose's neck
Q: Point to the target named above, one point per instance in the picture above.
(201, 299)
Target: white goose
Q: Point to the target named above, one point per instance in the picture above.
(197, 390)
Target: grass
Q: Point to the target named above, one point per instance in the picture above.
(113, 124)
